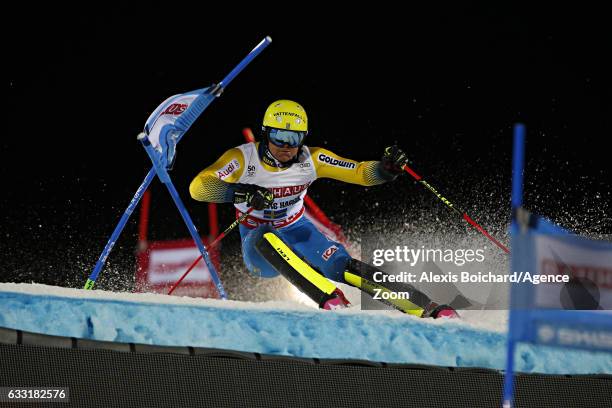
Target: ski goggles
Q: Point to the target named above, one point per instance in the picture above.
(282, 137)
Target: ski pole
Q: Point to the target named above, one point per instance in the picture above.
(215, 242)
(455, 209)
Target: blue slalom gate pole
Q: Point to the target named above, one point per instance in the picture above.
(518, 165)
(199, 107)
(509, 374)
(119, 228)
(163, 175)
(215, 91)
(255, 52)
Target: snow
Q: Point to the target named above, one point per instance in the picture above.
(281, 327)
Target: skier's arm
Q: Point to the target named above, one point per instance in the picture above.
(216, 183)
(366, 173)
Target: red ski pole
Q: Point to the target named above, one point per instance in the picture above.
(215, 242)
(457, 210)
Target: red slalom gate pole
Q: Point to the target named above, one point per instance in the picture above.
(457, 210)
(215, 242)
(248, 135)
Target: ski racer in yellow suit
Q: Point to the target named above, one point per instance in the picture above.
(272, 177)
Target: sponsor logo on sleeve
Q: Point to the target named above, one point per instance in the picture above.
(228, 169)
(332, 161)
(329, 252)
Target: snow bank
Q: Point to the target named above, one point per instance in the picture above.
(284, 328)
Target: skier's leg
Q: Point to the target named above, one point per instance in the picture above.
(333, 261)
(302, 254)
(253, 260)
(327, 256)
(266, 262)
(281, 257)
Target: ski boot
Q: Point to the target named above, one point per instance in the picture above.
(337, 301)
(437, 311)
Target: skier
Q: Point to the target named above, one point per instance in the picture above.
(272, 178)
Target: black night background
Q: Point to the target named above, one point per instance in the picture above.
(445, 83)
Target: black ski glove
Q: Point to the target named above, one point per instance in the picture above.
(393, 160)
(254, 195)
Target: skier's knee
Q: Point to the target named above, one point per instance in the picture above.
(255, 263)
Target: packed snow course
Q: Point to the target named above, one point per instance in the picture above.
(282, 328)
